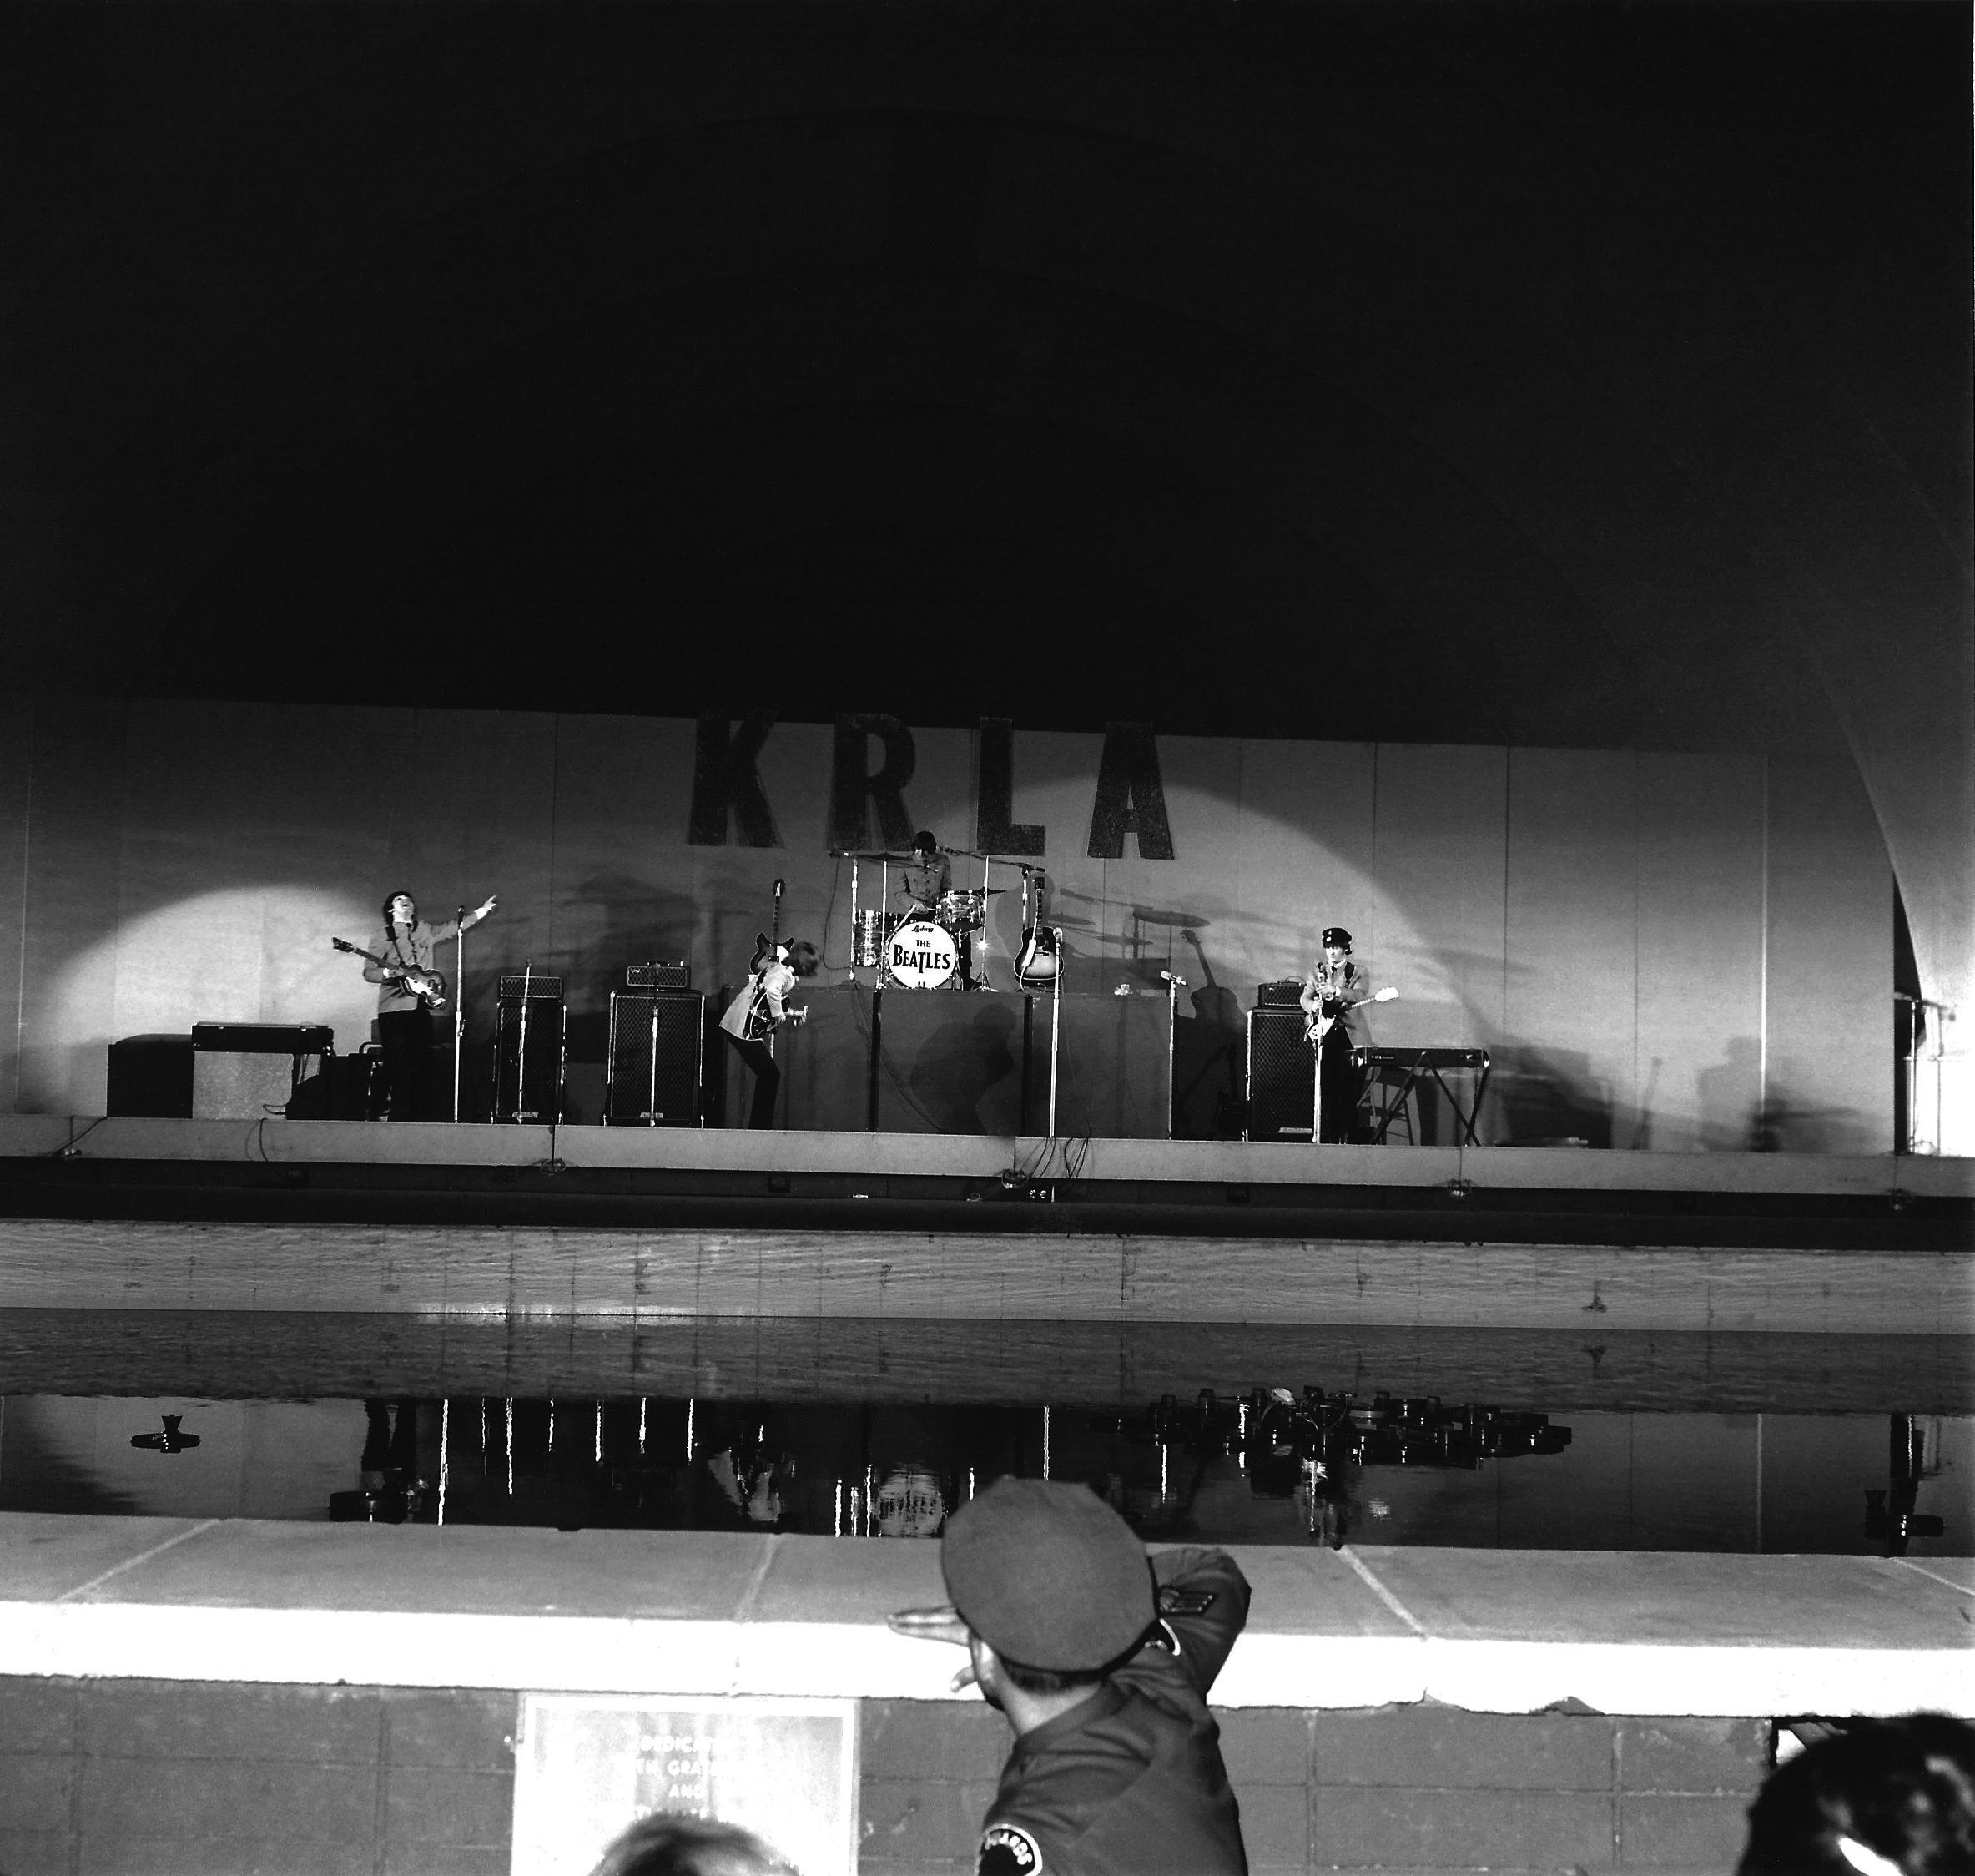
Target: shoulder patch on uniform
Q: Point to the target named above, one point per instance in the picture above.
(1173, 1601)
(1008, 1850)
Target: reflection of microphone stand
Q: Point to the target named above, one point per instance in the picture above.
(459, 1005)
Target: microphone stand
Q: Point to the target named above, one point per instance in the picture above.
(1317, 1071)
(1055, 1028)
(459, 1005)
(1174, 985)
(520, 1047)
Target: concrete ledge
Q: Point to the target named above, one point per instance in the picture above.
(685, 1613)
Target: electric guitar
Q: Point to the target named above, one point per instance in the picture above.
(428, 986)
(1317, 1026)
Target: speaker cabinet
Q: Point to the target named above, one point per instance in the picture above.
(652, 1077)
(529, 1046)
(1281, 1077)
(150, 1074)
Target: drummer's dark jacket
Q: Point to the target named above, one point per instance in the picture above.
(1130, 1782)
(928, 880)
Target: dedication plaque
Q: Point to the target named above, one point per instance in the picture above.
(586, 1765)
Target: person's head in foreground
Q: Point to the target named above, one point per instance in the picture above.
(664, 1845)
(1884, 1798)
(1054, 1587)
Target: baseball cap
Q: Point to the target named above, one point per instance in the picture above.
(1048, 1575)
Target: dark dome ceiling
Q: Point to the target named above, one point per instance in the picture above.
(1541, 375)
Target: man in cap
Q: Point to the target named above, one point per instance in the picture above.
(1100, 1658)
(1332, 988)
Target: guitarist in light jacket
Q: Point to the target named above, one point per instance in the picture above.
(758, 1011)
(404, 1017)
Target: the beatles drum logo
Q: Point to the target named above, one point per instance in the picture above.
(923, 954)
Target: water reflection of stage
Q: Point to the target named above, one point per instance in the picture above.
(948, 1061)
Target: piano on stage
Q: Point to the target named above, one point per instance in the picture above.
(1401, 1071)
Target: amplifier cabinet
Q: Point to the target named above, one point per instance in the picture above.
(529, 1046)
(1281, 1077)
(652, 1075)
(677, 976)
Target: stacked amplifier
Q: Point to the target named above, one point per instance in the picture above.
(531, 1049)
(658, 1042)
(1282, 1066)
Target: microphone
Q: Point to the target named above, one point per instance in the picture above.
(1167, 977)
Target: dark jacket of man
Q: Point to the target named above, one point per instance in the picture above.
(1130, 1782)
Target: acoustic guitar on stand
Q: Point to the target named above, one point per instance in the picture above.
(428, 986)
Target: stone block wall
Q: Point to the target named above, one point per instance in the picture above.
(1414, 1788)
(152, 1778)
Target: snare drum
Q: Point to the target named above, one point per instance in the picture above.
(867, 940)
(921, 955)
(962, 911)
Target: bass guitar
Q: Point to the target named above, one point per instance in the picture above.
(428, 986)
(1317, 1026)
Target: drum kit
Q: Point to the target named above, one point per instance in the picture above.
(920, 949)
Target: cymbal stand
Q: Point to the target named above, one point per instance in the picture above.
(1056, 1029)
(459, 1005)
(981, 956)
(883, 920)
(853, 918)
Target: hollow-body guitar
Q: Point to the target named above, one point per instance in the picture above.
(428, 986)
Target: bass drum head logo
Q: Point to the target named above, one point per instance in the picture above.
(1008, 1850)
(922, 954)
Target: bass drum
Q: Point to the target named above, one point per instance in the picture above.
(921, 955)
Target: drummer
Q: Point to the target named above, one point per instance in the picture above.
(928, 876)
